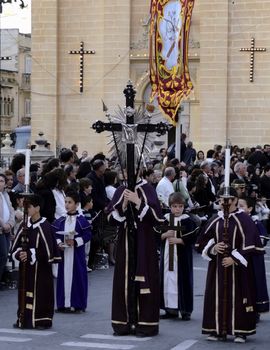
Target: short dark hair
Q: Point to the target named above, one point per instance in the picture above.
(35, 200)
(109, 177)
(176, 198)
(68, 169)
(85, 182)
(85, 200)
(147, 172)
(97, 164)
(4, 177)
(250, 201)
(66, 155)
(74, 195)
(232, 192)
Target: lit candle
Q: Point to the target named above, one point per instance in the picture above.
(227, 165)
(27, 167)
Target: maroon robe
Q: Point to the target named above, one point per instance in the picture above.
(244, 241)
(147, 271)
(38, 292)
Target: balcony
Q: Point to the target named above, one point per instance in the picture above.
(26, 82)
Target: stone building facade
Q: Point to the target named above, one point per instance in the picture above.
(224, 103)
(15, 80)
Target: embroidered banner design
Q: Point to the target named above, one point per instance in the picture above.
(169, 36)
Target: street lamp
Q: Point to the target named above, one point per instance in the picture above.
(22, 5)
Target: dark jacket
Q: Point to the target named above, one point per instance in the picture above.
(98, 192)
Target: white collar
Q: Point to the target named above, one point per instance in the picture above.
(35, 225)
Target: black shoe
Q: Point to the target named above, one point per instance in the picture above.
(115, 334)
(65, 310)
(3, 286)
(79, 311)
(141, 335)
(186, 317)
(168, 316)
(15, 325)
(42, 328)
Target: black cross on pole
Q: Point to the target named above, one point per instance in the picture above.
(82, 52)
(160, 128)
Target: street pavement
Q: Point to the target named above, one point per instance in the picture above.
(92, 329)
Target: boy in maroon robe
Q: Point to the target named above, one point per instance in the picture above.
(243, 242)
(35, 292)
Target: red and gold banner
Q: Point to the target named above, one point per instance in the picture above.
(169, 36)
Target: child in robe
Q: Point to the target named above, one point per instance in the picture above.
(72, 233)
(35, 269)
(177, 285)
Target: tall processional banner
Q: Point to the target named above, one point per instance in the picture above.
(169, 37)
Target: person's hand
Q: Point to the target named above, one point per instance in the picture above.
(6, 228)
(19, 215)
(226, 262)
(23, 256)
(70, 242)
(167, 234)
(61, 246)
(125, 204)
(175, 240)
(220, 247)
(132, 197)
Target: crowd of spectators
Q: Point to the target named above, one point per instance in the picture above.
(198, 176)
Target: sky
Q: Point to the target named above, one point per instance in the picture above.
(15, 17)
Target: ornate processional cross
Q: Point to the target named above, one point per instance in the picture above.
(252, 51)
(130, 129)
(82, 52)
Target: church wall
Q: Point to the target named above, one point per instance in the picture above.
(103, 26)
(44, 69)
(249, 103)
(213, 72)
(223, 104)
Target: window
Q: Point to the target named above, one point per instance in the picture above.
(27, 65)
(27, 107)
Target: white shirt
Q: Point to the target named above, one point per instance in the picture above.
(59, 197)
(6, 212)
(164, 189)
(110, 192)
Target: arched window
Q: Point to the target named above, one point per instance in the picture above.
(8, 106)
(12, 107)
(5, 106)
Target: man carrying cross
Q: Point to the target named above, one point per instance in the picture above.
(146, 213)
(176, 266)
(135, 209)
